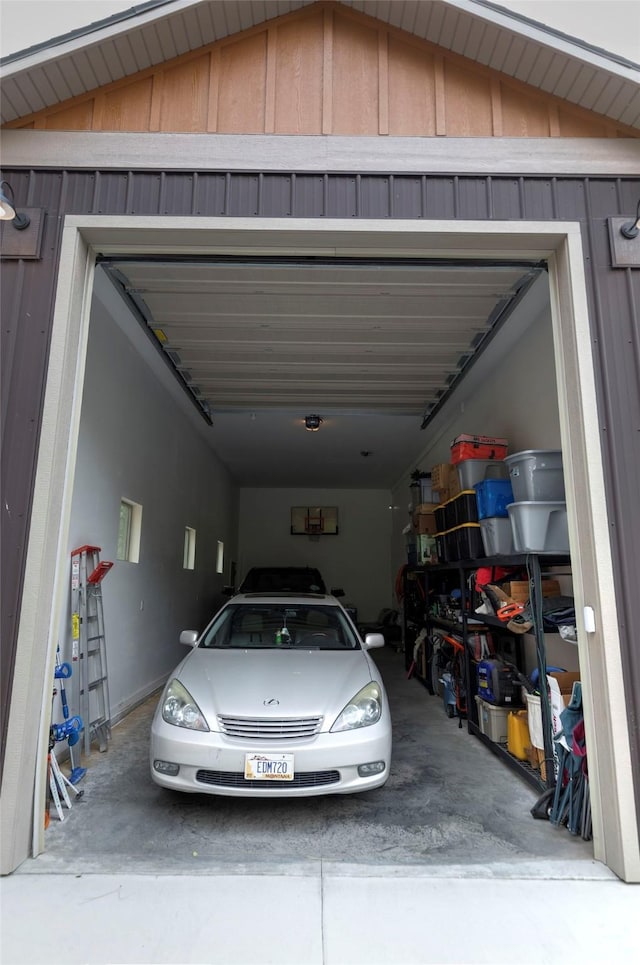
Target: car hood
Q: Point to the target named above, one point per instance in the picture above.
(305, 683)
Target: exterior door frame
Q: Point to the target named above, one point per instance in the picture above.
(45, 584)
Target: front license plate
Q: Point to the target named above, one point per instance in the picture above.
(268, 767)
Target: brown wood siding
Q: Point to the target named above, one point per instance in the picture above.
(523, 116)
(411, 90)
(185, 96)
(325, 70)
(242, 86)
(467, 102)
(299, 65)
(355, 78)
(126, 109)
(28, 293)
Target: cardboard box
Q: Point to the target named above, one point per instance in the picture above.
(454, 483)
(426, 509)
(440, 477)
(426, 525)
(424, 520)
(518, 590)
(566, 681)
(535, 757)
(445, 481)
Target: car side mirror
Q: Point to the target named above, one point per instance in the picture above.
(189, 637)
(373, 640)
(337, 591)
(228, 591)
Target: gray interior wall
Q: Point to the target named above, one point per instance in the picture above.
(135, 442)
(357, 559)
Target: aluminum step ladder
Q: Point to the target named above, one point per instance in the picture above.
(89, 649)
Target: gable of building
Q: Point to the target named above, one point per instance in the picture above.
(324, 69)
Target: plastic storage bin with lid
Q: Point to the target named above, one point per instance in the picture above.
(493, 496)
(467, 446)
(539, 527)
(421, 489)
(536, 475)
(472, 471)
(492, 720)
(460, 543)
(460, 509)
(497, 536)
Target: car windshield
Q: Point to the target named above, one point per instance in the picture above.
(280, 626)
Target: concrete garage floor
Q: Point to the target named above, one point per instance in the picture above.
(443, 865)
(449, 802)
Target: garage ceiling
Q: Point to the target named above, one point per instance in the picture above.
(372, 348)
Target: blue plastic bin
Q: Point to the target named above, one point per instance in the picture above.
(493, 496)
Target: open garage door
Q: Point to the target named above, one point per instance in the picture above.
(383, 350)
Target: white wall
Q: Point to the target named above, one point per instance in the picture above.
(357, 559)
(136, 442)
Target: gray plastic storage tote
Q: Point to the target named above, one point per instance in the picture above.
(539, 527)
(536, 475)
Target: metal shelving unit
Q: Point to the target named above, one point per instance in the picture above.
(416, 616)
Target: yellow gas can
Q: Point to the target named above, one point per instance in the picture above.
(518, 734)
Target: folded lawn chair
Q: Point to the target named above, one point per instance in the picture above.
(571, 803)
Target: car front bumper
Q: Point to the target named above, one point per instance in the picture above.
(212, 763)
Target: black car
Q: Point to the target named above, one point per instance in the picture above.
(283, 579)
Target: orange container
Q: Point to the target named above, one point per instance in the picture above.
(477, 447)
(518, 734)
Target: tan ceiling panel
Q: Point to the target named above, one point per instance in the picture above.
(253, 335)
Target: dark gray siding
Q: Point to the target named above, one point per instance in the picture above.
(614, 298)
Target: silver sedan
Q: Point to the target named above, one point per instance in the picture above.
(278, 697)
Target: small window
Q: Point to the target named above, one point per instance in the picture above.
(220, 557)
(189, 558)
(129, 531)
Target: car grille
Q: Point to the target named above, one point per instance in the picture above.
(270, 728)
(233, 779)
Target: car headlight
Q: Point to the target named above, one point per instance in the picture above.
(179, 708)
(362, 710)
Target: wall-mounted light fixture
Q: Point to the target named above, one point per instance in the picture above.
(312, 422)
(631, 229)
(8, 208)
